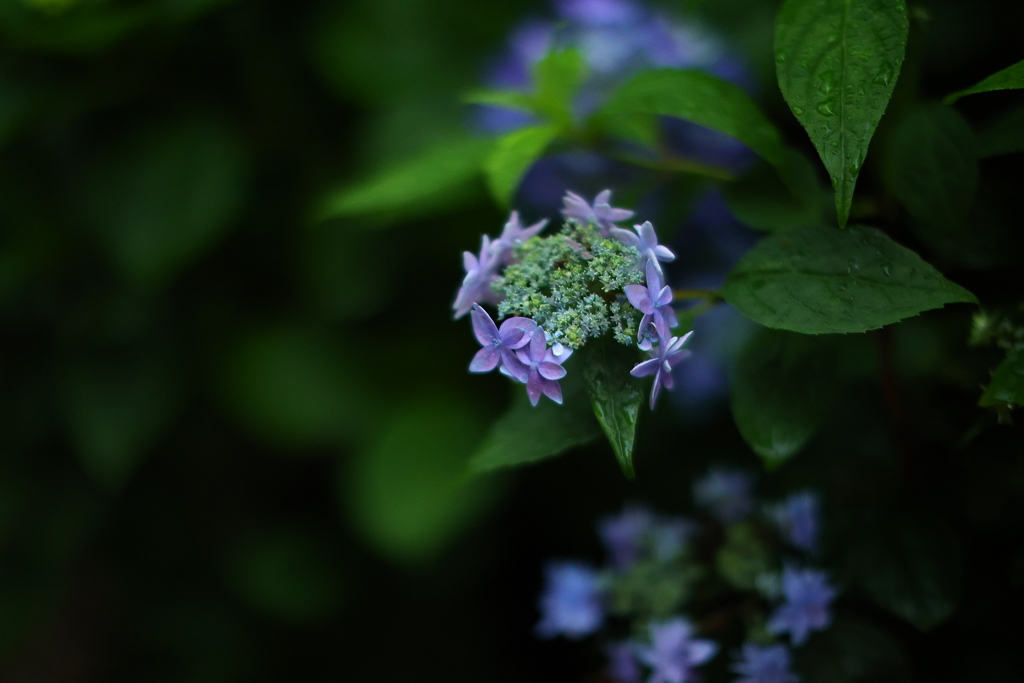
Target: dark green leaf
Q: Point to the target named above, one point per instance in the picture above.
(744, 557)
(818, 281)
(1004, 136)
(1010, 78)
(782, 388)
(933, 167)
(1007, 384)
(512, 158)
(703, 99)
(615, 395)
(507, 99)
(837, 62)
(556, 78)
(763, 201)
(438, 170)
(852, 651)
(528, 434)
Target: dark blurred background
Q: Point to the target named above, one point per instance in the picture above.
(233, 438)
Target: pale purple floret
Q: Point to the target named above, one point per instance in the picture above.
(512, 235)
(674, 652)
(499, 344)
(544, 369)
(808, 595)
(645, 241)
(572, 603)
(622, 664)
(602, 214)
(623, 534)
(726, 494)
(655, 301)
(799, 520)
(668, 354)
(481, 271)
(765, 664)
(600, 12)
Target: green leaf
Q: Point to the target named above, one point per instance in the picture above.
(818, 281)
(763, 201)
(1010, 78)
(507, 99)
(556, 79)
(837, 63)
(512, 158)
(527, 434)
(615, 395)
(703, 99)
(933, 167)
(1004, 136)
(852, 651)
(744, 557)
(910, 566)
(441, 169)
(1007, 384)
(782, 388)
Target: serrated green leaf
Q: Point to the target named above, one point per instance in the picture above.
(1007, 384)
(1010, 78)
(763, 201)
(615, 395)
(837, 63)
(703, 99)
(1005, 135)
(783, 386)
(438, 170)
(933, 166)
(818, 281)
(527, 434)
(512, 158)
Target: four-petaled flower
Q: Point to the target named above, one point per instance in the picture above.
(481, 271)
(512, 235)
(808, 595)
(765, 664)
(572, 603)
(645, 241)
(668, 354)
(544, 369)
(500, 343)
(674, 652)
(602, 214)
(654, 301)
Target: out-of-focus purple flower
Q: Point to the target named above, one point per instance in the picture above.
(669, 354)
(799, 519)
(674, 652)
(655, 302)
(499, 343)
(765, 664)
(572, 603)
(544, 369)
(480, 273)
(645, 241)
(726, 494)
(808, 596)
(669, 537)
(622, 534)
(512, 235)
(622, 664)
(602, 214)
(600, 12)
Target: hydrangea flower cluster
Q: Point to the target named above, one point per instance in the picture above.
(658, 601)
(555, 293)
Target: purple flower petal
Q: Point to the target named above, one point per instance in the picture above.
(552, 371)
(534, 387)
(485, 360)
(639, 297)
(484, 329)
(553, 390)
(648, 367)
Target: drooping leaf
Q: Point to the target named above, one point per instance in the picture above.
(1005, 135)
(837, 63)
(818, 281)
(933, 167)
(703, 99)
(782, 388)
(763, 201)
(439, 170)
(527, 434)
(615, 395)
(1010, 78)
(512, 158)
(1007, 384)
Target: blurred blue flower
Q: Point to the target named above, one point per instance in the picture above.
(572, 603)
(674, 652)
(808, 596)
(622, 664)
(669, 353)
(481, 271)
(622, 534)
(798, 517)
(499, 343)
(765, 664)
(726, 494)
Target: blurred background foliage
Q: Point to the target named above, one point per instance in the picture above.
(234, 438)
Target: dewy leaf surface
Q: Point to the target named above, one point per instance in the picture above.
(703, 99)
(837, 63)
(615, 395)
(818, 281)
(1010, 78)
(512, 158)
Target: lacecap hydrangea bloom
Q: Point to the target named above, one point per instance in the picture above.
(556, 293)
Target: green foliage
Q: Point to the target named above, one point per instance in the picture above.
(744, 557)
(1005, 135)
(615, 395)
(819, 281)
(1007, 384)
(653, 589)
(837, 63)
(513, 155)
(703, 99)
(760, 199)
(853, 651)
(783, 386)
(557, 78)
(1010, 78)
